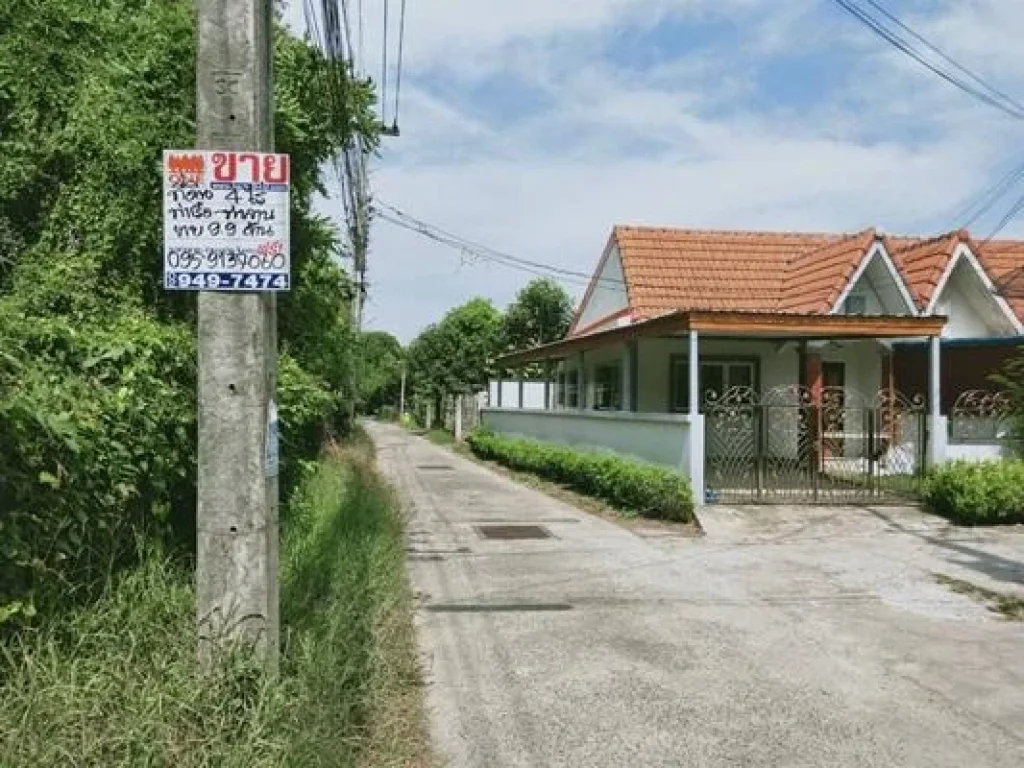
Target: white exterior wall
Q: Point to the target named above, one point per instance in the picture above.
(778, 366)
(956, 451)
(660, 439)
(959, 303)
(609, 294)
(533, 394)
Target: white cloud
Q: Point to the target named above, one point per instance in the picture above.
(576, 144)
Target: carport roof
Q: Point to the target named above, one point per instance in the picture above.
(774, 325)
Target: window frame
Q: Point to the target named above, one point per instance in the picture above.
(615, 385)
(681, 361)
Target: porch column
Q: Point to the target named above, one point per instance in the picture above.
(815, 388)
(937, 434)
(581, 383)
(696, 457)
(888, 425)
(547, 385)
(629, 376)
(519, 382)
(500, 376)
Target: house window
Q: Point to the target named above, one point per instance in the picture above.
(570, 390)
(856, 305)
(608, 387)
(716, 378)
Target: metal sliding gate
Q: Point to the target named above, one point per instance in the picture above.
(786, 445)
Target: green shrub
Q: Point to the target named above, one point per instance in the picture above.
(632, 487)
(97, 447)
(978, 493)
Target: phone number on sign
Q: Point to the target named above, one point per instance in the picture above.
(225, 281)
(222, 258)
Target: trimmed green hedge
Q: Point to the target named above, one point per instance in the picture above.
(978, 493)
(646, 490)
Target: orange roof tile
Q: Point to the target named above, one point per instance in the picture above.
(672, 269)
(815, 279)
(669, 270)
(1004, 262)
(922, 261)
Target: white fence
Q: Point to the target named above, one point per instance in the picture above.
(533, 394)
(654, 438)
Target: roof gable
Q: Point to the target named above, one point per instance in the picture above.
(816, 279)
(668, 270)
(1004, 262)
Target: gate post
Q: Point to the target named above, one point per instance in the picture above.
(937, 434)
(697, 447)
(873, 484)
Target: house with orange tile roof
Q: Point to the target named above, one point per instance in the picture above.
(783, 366)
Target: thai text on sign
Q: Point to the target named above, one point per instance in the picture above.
(226, 224)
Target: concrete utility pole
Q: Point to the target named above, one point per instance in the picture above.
(237, 578)
(401, 396)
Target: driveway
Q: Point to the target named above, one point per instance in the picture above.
(785, 637)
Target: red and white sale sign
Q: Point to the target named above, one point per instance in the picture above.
(226, 225)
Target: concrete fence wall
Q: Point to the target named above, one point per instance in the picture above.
(661, 439)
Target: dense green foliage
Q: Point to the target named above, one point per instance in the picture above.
(1011, 380)
(456, 355)
(381, 358)
(541, 313)
(97, 362)
(977, 493)
(629, 486)
(114, 684)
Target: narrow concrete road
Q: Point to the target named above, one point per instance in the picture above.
(820, 640)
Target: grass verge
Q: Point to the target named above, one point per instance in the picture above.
(441, 437)
(1008, 606)
(116, 684)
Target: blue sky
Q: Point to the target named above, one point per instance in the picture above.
(535, 126)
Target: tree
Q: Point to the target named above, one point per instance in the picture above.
(456, 356)
(541, 313)
(381, 358)
(97, 361)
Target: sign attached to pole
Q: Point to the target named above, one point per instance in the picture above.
(273, 461)
(226, 221)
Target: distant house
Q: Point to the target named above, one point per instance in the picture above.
(784, 366)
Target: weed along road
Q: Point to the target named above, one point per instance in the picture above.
(552, 637)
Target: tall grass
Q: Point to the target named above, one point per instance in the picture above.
(116, 684)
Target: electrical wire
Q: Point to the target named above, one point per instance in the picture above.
(1006, 220)
(990, 198)
(945, 56)
(482, 251)
(473, 254)
(384, 67)
(359, 52)
(991, 97)
(401, 49)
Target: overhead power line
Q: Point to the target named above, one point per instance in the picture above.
(887, 26)
(384, 68)
(988, 199)
(401, 51)
(397, 217)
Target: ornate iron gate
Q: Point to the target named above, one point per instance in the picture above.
(787, 446)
